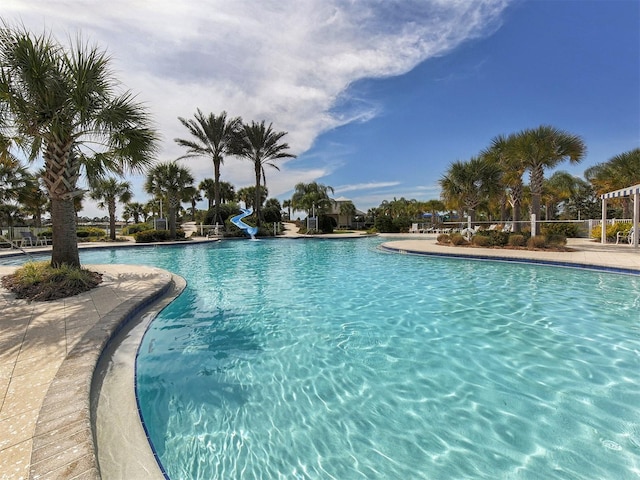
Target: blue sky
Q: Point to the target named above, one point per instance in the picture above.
(378, 96)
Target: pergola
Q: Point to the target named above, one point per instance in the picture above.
(623, 192)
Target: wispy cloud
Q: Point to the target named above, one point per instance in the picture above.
(285, 61)
(364, 186)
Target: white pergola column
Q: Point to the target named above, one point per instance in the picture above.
(603, 230)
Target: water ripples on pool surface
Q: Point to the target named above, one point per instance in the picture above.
(323, 360)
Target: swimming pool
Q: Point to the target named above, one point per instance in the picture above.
(328, 359)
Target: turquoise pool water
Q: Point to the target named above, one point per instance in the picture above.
(331, 360)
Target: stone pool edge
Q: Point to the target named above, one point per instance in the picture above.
(64, 443)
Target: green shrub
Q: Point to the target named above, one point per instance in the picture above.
(539, 241)
(149, 236)
(384, 224)
(458, 239)
(91, 232)
(496, 238)
(612, 230)
(444, 239)
(135, 228)
(481, 240)
(516, 240)
(567, 230)
(556, 240)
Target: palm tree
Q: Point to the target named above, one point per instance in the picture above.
(468, 184)
(261, 145)
(503, 152)
(57, 100)
(227, 192)
(618, 172)
(248, 196)
(108, 191)
(192, 195)
(348, 210)
(308, 196)
(560, 187)
(135, 210)
(287, 204)
(545, 147)
(208, 188)
(434, 206)
(213, 136)
(168, 181)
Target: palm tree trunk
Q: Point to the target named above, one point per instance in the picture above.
(112, 220)
(216, 191)
(536, 178)
(65, 242)
(256, 207)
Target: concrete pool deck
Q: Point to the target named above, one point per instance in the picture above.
(48, 352)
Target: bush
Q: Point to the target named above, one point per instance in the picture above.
(481, 240)
(227, 210)
(149, 236)
(496, 238)
(135, 228)
(444, 239)
(41, 281)
(567, 230)
(556, 240)
(516, 240)
(612, 230)
(458, 239)
(539, 241)
(91, 232)
(384, 224)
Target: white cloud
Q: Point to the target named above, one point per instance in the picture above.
(284, 61)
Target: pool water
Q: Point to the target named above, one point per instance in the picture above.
(332, 360)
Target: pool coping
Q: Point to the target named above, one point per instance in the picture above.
(500, 258)
(63, 441)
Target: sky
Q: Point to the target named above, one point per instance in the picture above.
(378, 97)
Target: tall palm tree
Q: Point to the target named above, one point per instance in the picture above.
(213, 137)
(58, 100)
(168, 181)
(108, 191)
(468, 184)
(261, 145)
(542, 148)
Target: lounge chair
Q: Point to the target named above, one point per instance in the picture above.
(32, 240)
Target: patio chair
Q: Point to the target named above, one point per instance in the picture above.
(628, 236)
(32, 240)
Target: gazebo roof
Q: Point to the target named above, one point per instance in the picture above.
(623, 192)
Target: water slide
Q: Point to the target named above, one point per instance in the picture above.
(237, 221)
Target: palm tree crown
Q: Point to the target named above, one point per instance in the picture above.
(545, 147)
(108, 191)
(58, 101)
(261, 145)
(169, 181)
(213, 136)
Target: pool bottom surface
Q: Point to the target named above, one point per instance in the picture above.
(331, 360)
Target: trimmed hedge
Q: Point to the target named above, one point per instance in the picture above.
(91, 232)
(136, 227)
(150, 236)
(567, 230)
